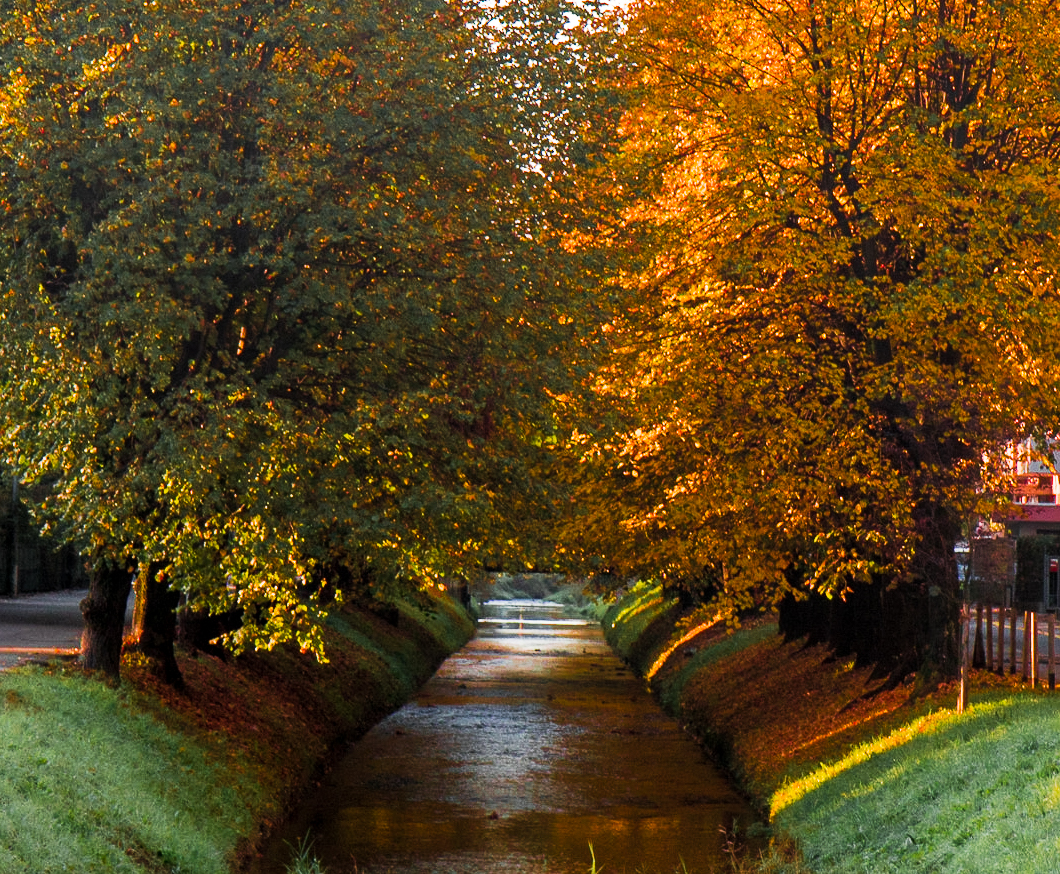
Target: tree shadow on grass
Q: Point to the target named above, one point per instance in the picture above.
(936, 794)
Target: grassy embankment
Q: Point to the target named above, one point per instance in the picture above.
(863, 778)
(144, 779)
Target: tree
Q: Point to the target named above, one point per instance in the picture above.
(849, 309)
(285, 289)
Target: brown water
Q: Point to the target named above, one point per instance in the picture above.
(528, 745)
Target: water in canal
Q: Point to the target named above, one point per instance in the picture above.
(528, 745)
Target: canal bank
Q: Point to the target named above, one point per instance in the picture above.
(857, 775)
(142, 779)
(867, 778)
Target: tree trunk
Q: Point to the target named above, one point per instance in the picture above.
(911, 626)
(104, 613)
(199, 629)
(937, 572)
(155, 625)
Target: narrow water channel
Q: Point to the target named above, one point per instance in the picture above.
(528, 745)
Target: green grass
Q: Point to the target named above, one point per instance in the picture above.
(577, 602)
(399, 655)
(302, 859)
(89, 783)
(431, 628)
(98, 779)
(442, 619)
(638, 624)
(944, 793)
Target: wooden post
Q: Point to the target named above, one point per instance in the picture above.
(1052, 651)
(989, 637)
(1001, 639)
(1032, 639)
(962, 689)
(1012, 641)
(1026, 660)
(978, 656)
(14, 533)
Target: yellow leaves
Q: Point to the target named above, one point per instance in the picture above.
(855, 267)
(107, 64)
(188, 262)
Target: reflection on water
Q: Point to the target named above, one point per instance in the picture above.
(529, 744)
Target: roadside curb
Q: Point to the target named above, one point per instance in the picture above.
(41, 650)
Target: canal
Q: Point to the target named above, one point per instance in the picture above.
(529, 745)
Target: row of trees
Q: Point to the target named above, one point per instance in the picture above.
(301, 298)
(294, 294)
(849, 307)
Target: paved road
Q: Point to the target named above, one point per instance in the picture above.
(41, 625)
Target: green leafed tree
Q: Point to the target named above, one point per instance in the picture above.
(289, 292)
(849, 305)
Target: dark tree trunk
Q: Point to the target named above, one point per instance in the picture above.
(910, 626)
(155, 625)
(104, 612)
(463, 594)
(198, 629)
(807, 617)
(937, 573)
(877, 624)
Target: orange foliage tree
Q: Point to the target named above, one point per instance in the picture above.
(847, 305)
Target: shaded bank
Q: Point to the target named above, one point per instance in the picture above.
(767, 708)
(857, 776)
(146, 779)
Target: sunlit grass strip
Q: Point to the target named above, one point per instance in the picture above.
(664, 656)
(670, 686)
(876, 714)
(626, 624)
(641, 598)
(791, 792)
(944, 793)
